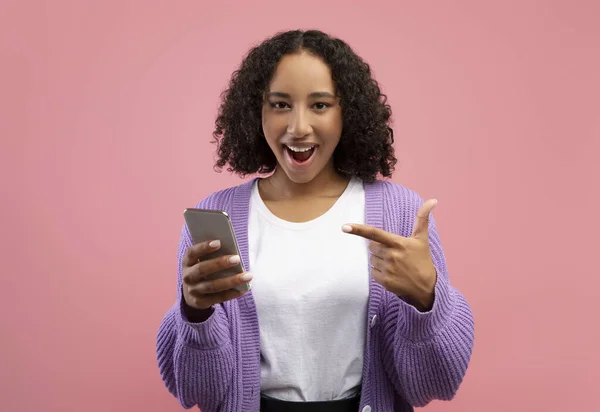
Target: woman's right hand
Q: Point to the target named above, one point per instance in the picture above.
(201, 293)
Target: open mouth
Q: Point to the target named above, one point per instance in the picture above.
(300, 155)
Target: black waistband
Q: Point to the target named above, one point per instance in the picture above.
(268, 404)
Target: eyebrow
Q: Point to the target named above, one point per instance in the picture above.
(313, 95)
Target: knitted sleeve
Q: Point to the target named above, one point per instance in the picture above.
(426, 354)
(196, 359)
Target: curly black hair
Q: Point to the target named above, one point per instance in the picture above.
(365, 147)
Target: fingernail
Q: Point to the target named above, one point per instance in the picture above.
(215, 244)
(347, 228)
(234, 259)
(247, 277)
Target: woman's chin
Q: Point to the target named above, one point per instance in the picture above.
(300, 177)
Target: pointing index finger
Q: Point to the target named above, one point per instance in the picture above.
(371, 233)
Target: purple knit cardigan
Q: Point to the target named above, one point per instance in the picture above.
(410, 358)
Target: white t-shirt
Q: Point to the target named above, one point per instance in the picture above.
(311, 287)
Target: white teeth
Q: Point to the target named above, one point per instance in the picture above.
(299, 149)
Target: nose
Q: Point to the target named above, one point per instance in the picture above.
(299, 123)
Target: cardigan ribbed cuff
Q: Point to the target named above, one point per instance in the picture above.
(419, 326)
(213, 333)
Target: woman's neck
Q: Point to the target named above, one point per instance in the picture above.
(328, 183)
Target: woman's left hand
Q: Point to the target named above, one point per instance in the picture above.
(403, 265)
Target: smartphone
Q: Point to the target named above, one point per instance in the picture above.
(215, 225)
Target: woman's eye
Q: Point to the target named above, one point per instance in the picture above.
(321, 106)
(279, 105)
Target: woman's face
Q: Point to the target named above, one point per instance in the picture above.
(302, 117)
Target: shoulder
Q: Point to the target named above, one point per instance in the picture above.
(395, 195)
(225, 198)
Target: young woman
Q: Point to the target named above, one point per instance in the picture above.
(351, 308)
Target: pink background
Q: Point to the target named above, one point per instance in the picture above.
(106, 112)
